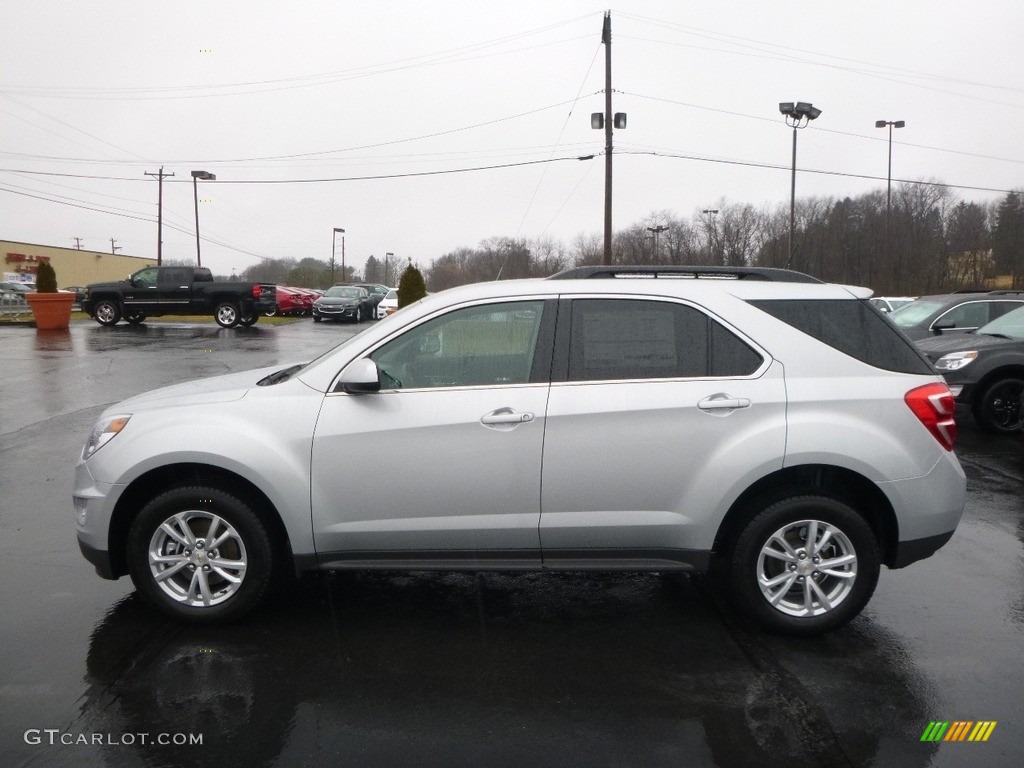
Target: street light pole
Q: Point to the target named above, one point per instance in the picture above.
(657, 231)
(389, 253)
(334, 239)
(797, 115)
(196, 175)
(888, 180)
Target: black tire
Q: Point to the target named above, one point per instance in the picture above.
(271, 312)
(250, 319)
(810, 599)
(107, 312)
(317, 318)
(135, 317)
(227, 315)
(236, 575)
(998, 409)
(359, 315)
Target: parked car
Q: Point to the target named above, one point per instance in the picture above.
(78, 290)
(10, 286)
(388, 305)
(762, 419)
(954, 313)
(344, 302)
(377, 293)
(985, 370)
(889, 303)
(290, 302)
(156, 291)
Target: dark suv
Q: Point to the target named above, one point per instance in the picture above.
(985, 369)
(954, 312)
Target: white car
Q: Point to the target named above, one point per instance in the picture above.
(388, 305)
(593, 422)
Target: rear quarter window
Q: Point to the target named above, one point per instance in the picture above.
(854, 328)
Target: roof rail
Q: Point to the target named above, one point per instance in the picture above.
(1006, 293)
(685, 272)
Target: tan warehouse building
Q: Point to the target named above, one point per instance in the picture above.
(19, 262)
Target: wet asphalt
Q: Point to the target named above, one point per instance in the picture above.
(462, 669)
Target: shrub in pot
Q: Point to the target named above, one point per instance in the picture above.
(51, 308)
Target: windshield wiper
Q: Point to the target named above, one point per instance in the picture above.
(276, 378)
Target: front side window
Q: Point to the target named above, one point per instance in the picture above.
(485, 345)
(145, 278)
(969, 315)
(614, 339)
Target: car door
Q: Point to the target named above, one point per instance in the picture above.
(658, 414)
(442, 466)
(141, 292)
(175, 288)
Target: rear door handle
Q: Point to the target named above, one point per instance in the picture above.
(723, 402)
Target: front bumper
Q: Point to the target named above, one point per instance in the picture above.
(334, 312)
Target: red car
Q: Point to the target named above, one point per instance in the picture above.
(292, 301)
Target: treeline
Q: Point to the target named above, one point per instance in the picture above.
(931, 243)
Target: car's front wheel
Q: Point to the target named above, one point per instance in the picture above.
(107, 312)
(998, 409)
(804, 565)
(201, 554)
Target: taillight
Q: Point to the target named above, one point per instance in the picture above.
(256, 291)
(933, 404)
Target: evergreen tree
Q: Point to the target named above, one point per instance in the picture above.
(411, 287)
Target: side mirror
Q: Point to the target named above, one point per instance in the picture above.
(360, 377)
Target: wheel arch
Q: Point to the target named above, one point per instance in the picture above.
(154, 482)
(1011, 371)
(837, 482)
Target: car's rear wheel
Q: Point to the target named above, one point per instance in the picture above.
(804, 565)
(226, 314)
(107, 312)
(998, 409)
(249, 319)
(200, 553)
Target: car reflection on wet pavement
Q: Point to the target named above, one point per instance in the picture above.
(386, 669)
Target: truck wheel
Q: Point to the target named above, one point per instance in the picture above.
(249, 319)
(135, 317)
(804, 565)
(107, 312)
(227, 315)
(999, 407)
(200, 554)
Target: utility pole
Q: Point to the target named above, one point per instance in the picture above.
(606, 38)
(389, 253)
(160, 213)
(114, 248)
(78, 243)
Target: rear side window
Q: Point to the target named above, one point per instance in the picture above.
(636, 339)
(853, 327)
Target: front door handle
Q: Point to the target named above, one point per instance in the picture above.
(723, 402)
(506, 416)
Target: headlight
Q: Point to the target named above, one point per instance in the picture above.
(104, 431)
(954, 361)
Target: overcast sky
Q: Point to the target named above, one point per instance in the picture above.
(97, 94)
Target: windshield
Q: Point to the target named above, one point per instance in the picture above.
(914, 313)
(1011, 324)
(392, 294)
(342, 292)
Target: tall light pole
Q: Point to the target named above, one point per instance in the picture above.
(386, 255)
(888, 179)
(334, 239)
(711, 213)
(657, 231)
(205, 176)
(797, 115)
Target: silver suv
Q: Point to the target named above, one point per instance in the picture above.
(757, 418)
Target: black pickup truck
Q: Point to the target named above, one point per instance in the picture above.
(156, 291)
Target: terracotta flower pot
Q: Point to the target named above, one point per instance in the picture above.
(52, 310)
